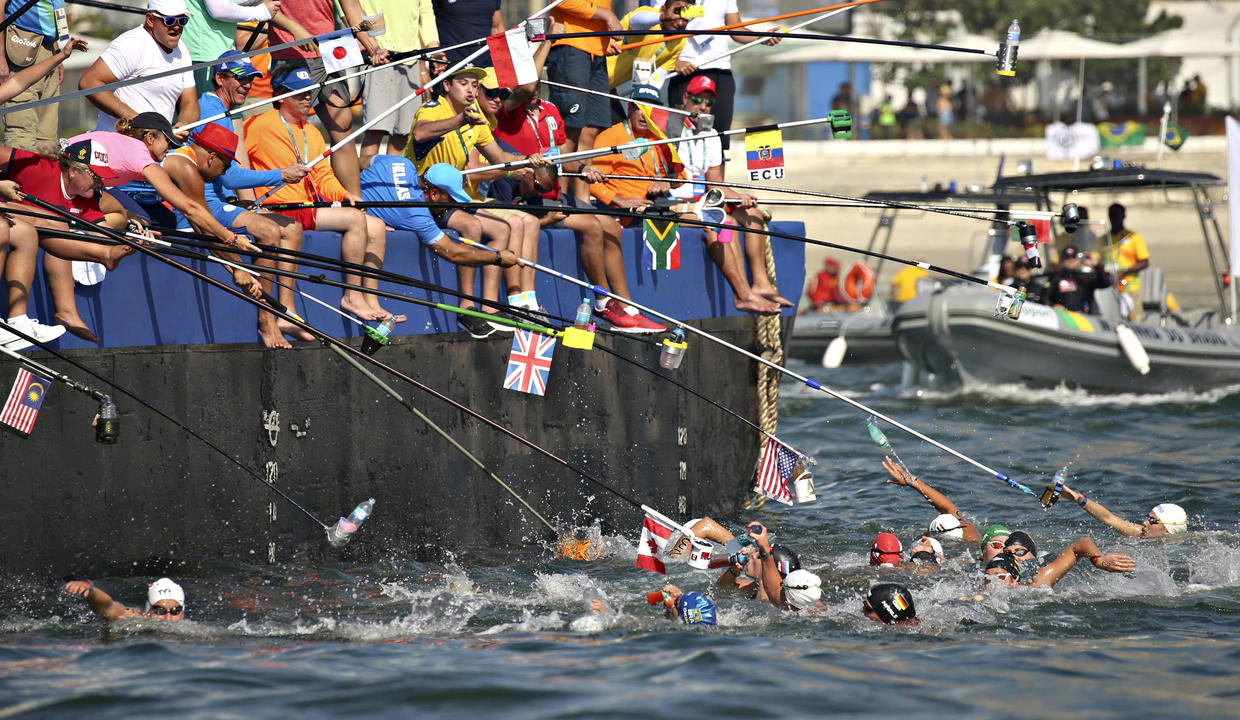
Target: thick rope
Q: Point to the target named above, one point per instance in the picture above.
(770, 347)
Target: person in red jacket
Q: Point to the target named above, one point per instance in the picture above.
(824, 289)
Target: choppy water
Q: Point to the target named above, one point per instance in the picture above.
(514, 640)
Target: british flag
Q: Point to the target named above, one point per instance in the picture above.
(775, 471)
(529, 363)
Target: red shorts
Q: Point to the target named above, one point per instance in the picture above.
(305, 216)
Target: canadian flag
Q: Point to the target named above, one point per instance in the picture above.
(655, 533)
(512, 58)
(340, 51)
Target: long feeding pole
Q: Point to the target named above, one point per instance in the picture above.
(746, 23)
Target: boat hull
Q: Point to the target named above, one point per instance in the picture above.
(866, 331)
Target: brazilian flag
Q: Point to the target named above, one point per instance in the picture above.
(1121, 134)
(1175, 136)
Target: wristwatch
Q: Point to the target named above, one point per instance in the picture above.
(763, 554)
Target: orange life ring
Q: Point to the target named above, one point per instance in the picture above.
(858, 283)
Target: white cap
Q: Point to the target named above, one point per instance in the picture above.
(935, 545)
(1172, 516)
(947, 526)
(167, 8)
(164, 589)
(802, 588)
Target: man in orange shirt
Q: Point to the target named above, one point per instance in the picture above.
(635, 194)
(582, 63)
(283, 136)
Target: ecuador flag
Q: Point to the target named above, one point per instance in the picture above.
(764, 154)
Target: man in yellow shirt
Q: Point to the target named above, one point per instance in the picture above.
(453, 130)
(904, 283)
(664, 55)
(1127, 249)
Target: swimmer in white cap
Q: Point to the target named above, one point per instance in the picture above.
(1162, 520)
(165, 600)
(961, 529)
(799, 591)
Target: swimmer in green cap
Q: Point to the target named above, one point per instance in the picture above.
(993, 539)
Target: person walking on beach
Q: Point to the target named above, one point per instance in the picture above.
(165, 600)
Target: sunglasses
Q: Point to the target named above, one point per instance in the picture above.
(700, 100)
(161, 610)
(172, 21)
(498, 93)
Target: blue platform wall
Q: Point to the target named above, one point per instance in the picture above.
(145, 302)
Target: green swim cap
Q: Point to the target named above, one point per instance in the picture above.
(993, 530)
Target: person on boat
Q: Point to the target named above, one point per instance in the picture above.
(1072, 286)
(962, 529)
(283, 136)
(637, 194)
(1162, 520)
(904, 282)
(1004, 569)
(799, 591)
(231, 81)
(1129, 255)
(165, 600)
(890, 604)
(1022, 276)
(824, 290)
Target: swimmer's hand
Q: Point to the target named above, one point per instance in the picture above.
(1116, 563)
(81, 588)
(899, 476)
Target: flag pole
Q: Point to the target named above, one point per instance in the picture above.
(621, 98)
(746, 23)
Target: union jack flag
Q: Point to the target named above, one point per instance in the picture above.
(529, 363)
(24, 401)
(775, 471)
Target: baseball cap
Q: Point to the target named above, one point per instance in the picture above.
(645, 93)
(167, 8)
(93, 155)
(892, 603)
(694, 608)
(885, 546)
(947, 526)
(164, 589)
(476, 73)
(297, 79)
(831, 264)
(157, 122)
(701, 84)
(1071, 252)
(447, 178)
(241, 66)
(1023, 263)
(994, 531)
(802, 588)
(1172, 516)
(218, 139)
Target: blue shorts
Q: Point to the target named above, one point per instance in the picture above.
(224, 213)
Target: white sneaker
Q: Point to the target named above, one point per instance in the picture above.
(37, 330)
(12, 342)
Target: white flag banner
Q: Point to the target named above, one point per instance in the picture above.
(1233, 200)
(1069, 142)
(341, 52)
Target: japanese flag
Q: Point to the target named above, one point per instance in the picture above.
(513, 59)
(340, 51)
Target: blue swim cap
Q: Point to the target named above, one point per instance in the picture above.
(694, 608)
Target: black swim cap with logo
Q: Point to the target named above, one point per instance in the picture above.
(891, 602)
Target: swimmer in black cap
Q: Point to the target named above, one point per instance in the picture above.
(1004, 569)
(900, 476)
(891, 604)
(1022, 547)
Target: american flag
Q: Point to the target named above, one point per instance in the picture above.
(775, 471)
(529, 363)
(24, 402)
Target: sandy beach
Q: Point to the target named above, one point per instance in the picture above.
(1172, 231)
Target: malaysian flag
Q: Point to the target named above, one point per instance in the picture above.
(24, 402)
(529, 363)
(775, 471)
(655, 533)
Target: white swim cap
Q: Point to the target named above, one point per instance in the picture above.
(947, 526)
(1172, 516)
(802, 588)
(934, 544)
(164, 589)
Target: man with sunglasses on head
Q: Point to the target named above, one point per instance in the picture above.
(960, 530)
(1162, 520)
(150, 49)
(165, 600)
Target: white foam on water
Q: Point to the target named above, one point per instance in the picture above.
(1064, 396)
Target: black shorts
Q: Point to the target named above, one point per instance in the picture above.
(318, 74)
(570, 66)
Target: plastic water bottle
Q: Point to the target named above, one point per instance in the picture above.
(107, 427)
(387, 326)
(340, 533)
(1007, 51)
(673, 350)
(877, 435)
(1018, 304)
(1013, 34)
(584, 315)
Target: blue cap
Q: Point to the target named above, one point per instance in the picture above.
(695, 608)
(241, 67)
(298, 79)
(447, 178)
(646, 93)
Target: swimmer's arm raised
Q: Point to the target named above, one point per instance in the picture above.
(900, 476)
(99, 601)
(1103, 515)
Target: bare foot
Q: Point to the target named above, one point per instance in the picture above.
(773, 295)
(293, 331)
(74, 324)
(373, 304)
(271, 336)
(361, 310)
(755, 304)
(116, 253)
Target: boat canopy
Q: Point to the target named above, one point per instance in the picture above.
(945, 197)
(1124, 178)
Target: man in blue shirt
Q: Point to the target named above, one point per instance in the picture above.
(392, 178)
(36, 35)
(230, 194)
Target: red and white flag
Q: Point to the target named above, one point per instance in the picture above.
(513, 58)
(655, 533)
(775, 471)
(24, 401)
(340, 51)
